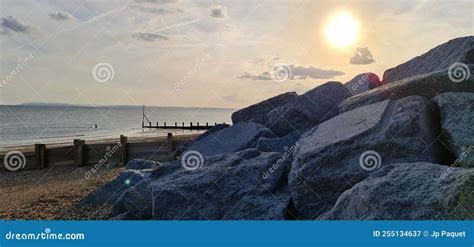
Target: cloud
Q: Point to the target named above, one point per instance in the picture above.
(219, 11)
(176, 25)
(362, 55)
(295, 72)
(265, 76)
(61, 16)
(158, 1)
(150, 37)
(157, 11)
(11, 24)
(300, 72)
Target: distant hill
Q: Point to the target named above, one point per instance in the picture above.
(46, 104)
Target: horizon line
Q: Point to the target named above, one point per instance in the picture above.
(106, 105)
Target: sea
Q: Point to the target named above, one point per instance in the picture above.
(29, 124)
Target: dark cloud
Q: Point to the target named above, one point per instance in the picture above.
(150, 37)
(61, 16)
(362, 55)
(295, 72)
(265, 76)
(219, 11)
(301, 72)
(11, 24)
(158, 1)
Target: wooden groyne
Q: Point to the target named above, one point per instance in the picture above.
(181, 126)
(146, 123)
(81, 153)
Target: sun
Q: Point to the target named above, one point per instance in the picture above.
(342, 30)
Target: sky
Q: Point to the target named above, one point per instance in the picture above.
(205, 53)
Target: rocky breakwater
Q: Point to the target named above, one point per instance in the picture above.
(403, 150)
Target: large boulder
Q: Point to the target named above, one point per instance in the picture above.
(279, 144)
(109, 193)
(363, 83)
(212, 130)
(428, 85)
(231, 186)
(410, 191)
(244, 185)
(308, 110)
(180, 149)
(457, 120)
(228, 140)
(345, 149)
(459, 50)
(262, 108)
(135, 203)
(140, 164)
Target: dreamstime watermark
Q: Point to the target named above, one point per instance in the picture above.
(103, 72)
(191, 72)
(192, 160)
(20, 66)
(45, 235)
(284, 157)
(464, 154)
(458, 72)
(14, 161)
(363, 79)
(110, 151)
(281, 72)
(370, 160)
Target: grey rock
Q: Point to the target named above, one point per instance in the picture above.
(260, 109)
(245, 185)
(212, 130)
(428, 85)
(308, 110)
(182, 148)
(231, 186)
(436, 59)
(328, 160)
(279, 144)
(140, 164)
(413, 191)
(363, 83)
(135, 203)
(228, 140)
(457, 120)
(112, 191)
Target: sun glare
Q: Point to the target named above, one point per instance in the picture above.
(342, 30)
